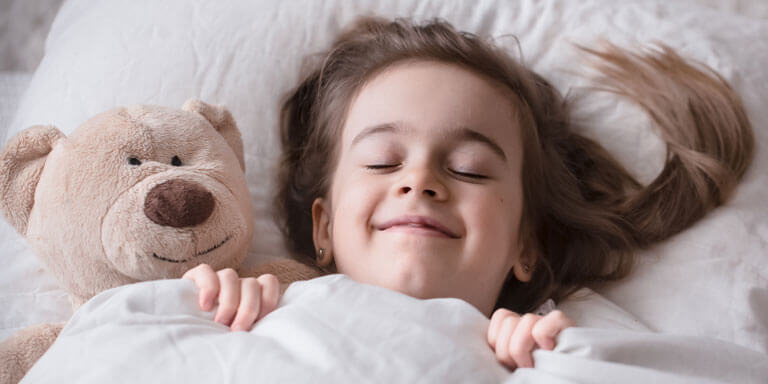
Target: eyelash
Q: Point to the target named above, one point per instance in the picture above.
(470, 175)
(381, 167)
(377, 167)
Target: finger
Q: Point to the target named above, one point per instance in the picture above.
(547, 329)
(250, 304)
(229, 297)
(506, 330)
(495, 325)
(270, 294)
(521, 343)
(207, 284)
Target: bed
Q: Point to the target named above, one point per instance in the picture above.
(694, 310)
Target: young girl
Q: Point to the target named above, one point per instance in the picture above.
(427, 161)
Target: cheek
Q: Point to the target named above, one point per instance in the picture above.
(353, 202)
(498, 219)
(513, 205)
(351, 197)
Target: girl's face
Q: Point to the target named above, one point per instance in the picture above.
(426, 198)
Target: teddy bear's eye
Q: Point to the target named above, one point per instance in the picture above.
(134, 161)
(176, 162)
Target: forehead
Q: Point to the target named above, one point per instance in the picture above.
(429, 96)
(144, 130)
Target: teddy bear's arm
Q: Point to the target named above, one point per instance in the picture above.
(287, 271)
(19, 352)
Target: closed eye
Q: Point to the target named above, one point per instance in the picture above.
(470, 175)
(376, 167)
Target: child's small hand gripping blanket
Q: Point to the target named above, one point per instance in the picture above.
(332, 329)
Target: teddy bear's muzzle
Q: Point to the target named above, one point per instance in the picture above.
(178, 203)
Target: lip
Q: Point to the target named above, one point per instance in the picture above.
(209, 250)
(419, 224)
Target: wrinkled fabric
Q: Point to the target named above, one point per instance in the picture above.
(334, 330)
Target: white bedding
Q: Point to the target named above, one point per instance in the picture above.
(710, 281)
(12, 86)
(334, 330)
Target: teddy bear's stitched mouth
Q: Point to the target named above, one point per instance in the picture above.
(209, 250)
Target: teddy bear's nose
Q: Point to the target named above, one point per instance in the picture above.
(178, 203)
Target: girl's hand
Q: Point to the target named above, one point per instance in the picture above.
(242, 301)
(514, 337)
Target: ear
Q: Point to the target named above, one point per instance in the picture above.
(524, 266)
(222, 121)
(21, 164)
(321, 227)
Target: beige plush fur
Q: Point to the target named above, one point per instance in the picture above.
(135, 193)
(287, 271)
(24, 348)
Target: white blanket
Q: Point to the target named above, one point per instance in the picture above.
(333, 329)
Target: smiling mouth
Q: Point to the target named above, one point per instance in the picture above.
(209, 250)
(416, 229)
(418, 225)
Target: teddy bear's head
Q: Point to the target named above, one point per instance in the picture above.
(133, 194)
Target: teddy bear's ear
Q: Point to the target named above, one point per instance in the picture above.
(223, 121)
(21, 164)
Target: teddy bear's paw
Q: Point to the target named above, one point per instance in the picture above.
(19, 352)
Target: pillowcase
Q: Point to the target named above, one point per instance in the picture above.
(710, 280)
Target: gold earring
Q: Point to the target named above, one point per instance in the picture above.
(323, 258)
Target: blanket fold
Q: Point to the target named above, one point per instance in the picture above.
(333, 329)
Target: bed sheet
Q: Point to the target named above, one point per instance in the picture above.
(709, 281)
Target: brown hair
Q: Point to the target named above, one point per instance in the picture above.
(583, 214)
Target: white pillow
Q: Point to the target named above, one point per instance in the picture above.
(710, 280)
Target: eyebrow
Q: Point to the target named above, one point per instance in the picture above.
(376, 129)
(466, 134)
(460, 133)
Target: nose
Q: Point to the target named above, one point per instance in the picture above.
(178, 204)
(422, 181)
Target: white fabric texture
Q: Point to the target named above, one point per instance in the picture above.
(334, 330)
(709, 281)
(12, 86)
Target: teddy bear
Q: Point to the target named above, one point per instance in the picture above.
(135, 193)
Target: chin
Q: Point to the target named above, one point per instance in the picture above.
(418, 283)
